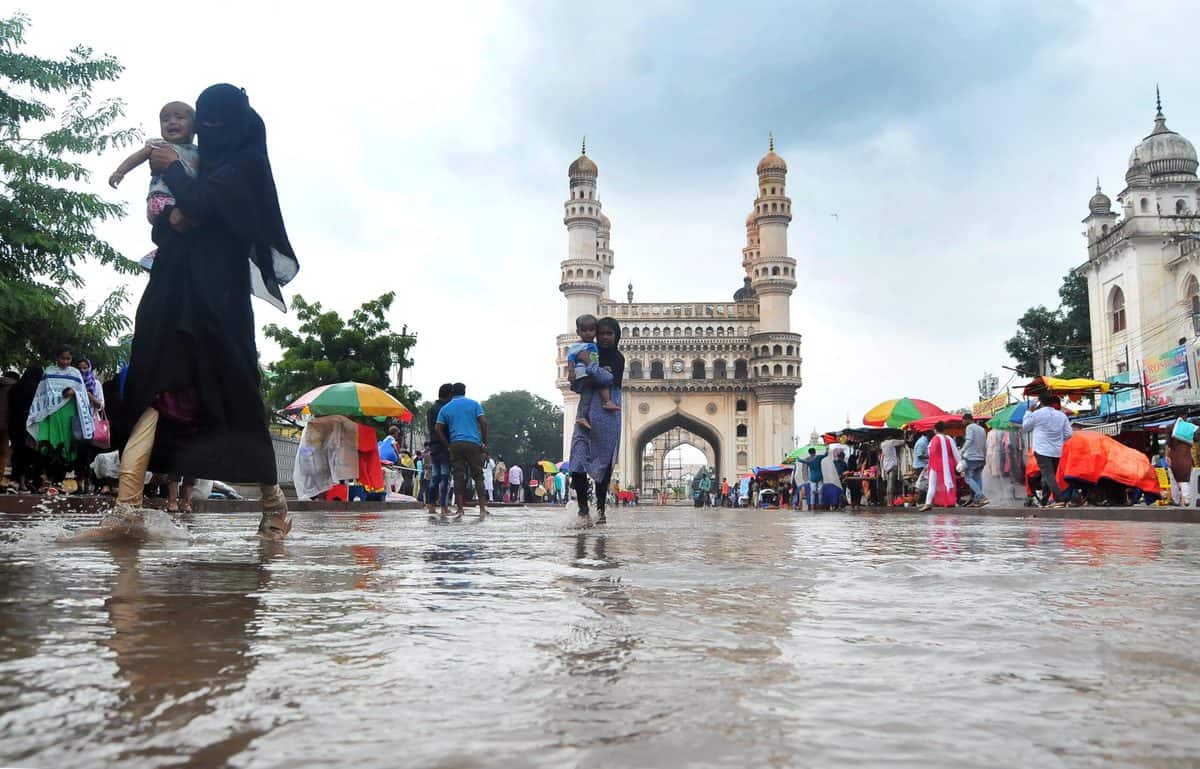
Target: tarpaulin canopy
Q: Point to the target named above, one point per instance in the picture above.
(860, 434)
(929, 422)
(1056, 386)
(772, 469)
(1089, 457)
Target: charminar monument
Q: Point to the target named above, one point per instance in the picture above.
(719, 375)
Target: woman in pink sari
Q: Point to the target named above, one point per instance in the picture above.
(944, 462)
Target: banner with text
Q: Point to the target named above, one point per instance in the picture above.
(989, 407)
(1126, 401)
(1164, 374)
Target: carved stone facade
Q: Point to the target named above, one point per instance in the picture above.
(1143, 267)
(725, 371)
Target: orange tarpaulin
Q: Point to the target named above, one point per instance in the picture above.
(1088, 457)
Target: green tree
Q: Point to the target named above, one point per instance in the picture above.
(47, 223)
(1055, 342)
(523, 427)
(1077, 326)
(330, 349)
(1037, 342)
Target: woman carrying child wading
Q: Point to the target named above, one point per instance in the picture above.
(579, 355)
(193, 372)
(594, 449)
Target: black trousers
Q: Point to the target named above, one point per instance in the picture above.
(1049, 468)
(579, 481)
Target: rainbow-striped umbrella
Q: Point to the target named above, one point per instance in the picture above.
(352, 399)
(899, 412)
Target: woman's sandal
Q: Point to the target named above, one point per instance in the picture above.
(274, 526)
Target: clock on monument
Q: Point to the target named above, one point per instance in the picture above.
(677, 367)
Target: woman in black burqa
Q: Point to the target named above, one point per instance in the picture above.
(193, 382)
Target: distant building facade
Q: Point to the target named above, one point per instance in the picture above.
(1143, 266)
(725, 372)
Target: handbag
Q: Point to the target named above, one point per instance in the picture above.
(101, 431)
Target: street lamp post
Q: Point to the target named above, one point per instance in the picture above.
(398, 359)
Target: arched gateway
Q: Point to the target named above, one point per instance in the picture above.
(726, 372)
(672, 431)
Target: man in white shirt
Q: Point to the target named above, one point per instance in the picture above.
(974, 454)
(890, 449)
(515, 477)
(1050, 429)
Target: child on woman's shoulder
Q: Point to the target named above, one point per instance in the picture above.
(579, 355)
(177, 122)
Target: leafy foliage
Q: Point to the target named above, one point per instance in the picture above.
(1055, 342)
(329, 349)
(1077, 327)
(47, 224)
(523, 427)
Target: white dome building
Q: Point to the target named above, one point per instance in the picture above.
(1143, 267)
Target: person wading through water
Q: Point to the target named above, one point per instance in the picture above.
(594, 451)
(193, 383)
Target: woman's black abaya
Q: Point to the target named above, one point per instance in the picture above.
(194, 357)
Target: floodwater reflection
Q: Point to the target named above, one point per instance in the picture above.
(668, 638)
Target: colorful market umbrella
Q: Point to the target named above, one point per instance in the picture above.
(803, 452)
(548, 466)
(899, 412)
(351, 399)
(1008, 417)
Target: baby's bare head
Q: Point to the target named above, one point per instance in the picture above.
(178, 122)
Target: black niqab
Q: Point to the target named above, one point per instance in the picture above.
(231, 133)
(610, 357)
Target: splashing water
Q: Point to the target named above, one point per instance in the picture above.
(52, 521)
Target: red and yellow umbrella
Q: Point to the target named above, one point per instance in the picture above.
(899, 412)
(352, 399)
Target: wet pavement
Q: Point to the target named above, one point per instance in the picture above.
(669, 638)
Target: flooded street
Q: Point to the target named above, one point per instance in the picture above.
(670, 638)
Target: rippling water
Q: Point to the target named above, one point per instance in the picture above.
(671, 638)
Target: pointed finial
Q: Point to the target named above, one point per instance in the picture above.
(1158, 101)
(1097, 185)
(770, 141)
(583, 146)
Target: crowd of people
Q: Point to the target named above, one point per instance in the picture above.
(52, 427)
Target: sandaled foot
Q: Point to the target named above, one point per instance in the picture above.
(611, 406)
(274, 526)
(586, 425)
(601, 518)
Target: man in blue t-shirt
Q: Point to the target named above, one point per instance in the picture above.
(815, 477)
(462, 427)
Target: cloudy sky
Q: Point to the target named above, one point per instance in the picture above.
(423, 148)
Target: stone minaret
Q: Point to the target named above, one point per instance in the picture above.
(775, 350)
(586, 269)
(772, 271)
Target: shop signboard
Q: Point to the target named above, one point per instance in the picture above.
(1124, 401)
(1164, 374)
(987, 408)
